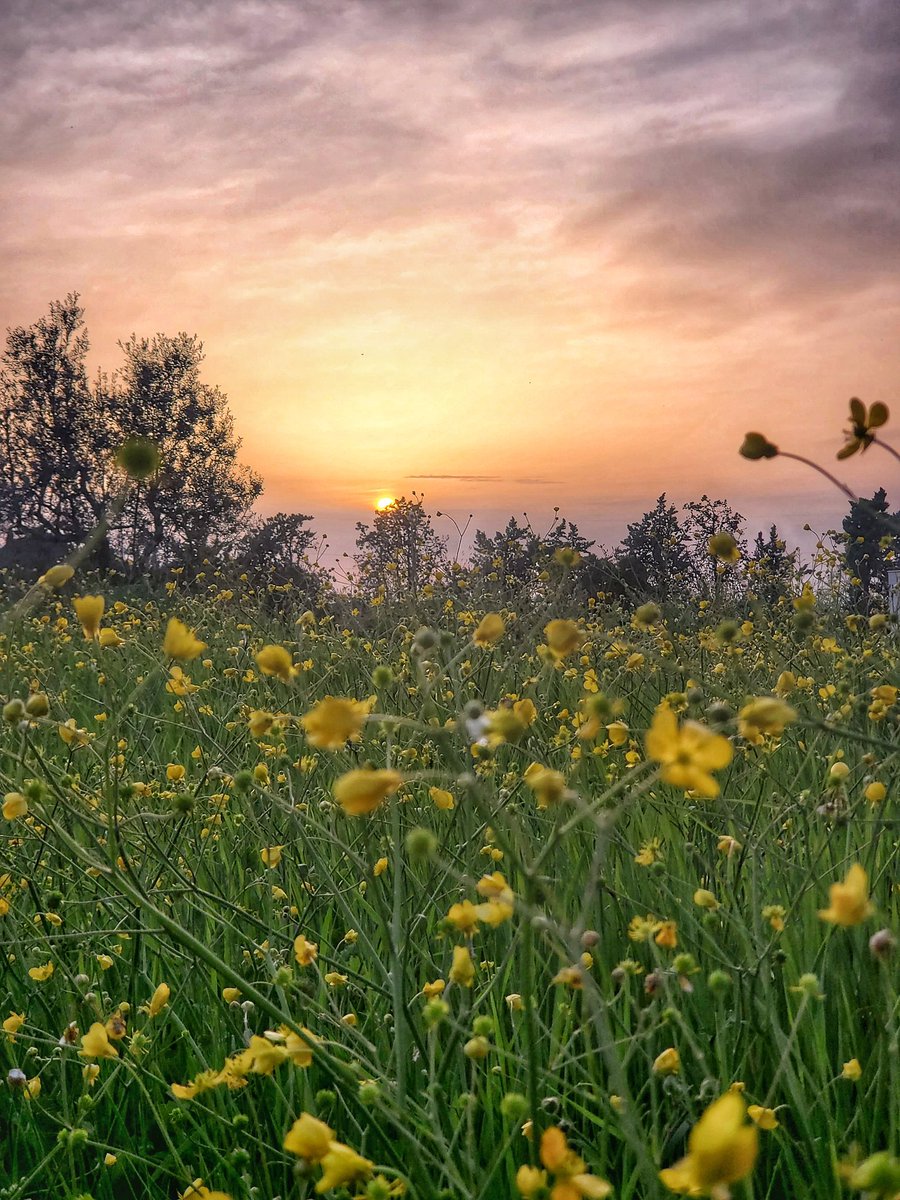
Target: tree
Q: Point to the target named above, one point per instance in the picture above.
(400, 551)
(872, 544)
(59, 435)
(201, 497)
(56, 437)
(703, 519)
(654, 552)
(282, 548)
(517, 556)
(772, 567)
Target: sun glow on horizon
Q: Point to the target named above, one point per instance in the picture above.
(384, 502)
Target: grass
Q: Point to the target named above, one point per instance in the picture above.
(125, 879)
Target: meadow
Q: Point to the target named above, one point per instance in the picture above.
(550, 901)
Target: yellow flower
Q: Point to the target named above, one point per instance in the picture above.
(724, 547)
(380, 867)
(308, 1138)
(765, 1118)
(231, 994)
(334, 722)
(875, 792)
(305, 952)
(464, 917)
(785, 683)
(572, 1179)
(342, 1165)
(430, 990)
(490, 630)
(264, 1056)
(181, 642)
(687, 753)
(175, 772)
(159, 1000)
(96, 1044)
(705, 899)
(14, 805)
(89, 611)
(275, 660)
(728, 845)
(851, 1070)
(667, 937)
(667, 1063)
(271, 856)
(862, 422)
(260, 722)
(764, 714)
(463, 969)
(549, 786)
(525, 712)
(198, 1191)
(531, 1182)
(57, 576)
(722, 1149)
(41, 974)
(563, 637)
(13, 1024)
(850, 904)
(110, 639)
(360, 792)
(441, 798)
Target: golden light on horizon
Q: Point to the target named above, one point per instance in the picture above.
(384, 502)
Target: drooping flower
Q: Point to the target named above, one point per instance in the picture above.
(688, 753)
(159, 1000)
(462, 971)
(89, 611)
(849, 901)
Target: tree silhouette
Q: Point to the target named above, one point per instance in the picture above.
(871, 547)
(400, 551)
(655, 552)
(59, 434)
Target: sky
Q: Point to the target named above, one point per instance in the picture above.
(511, 254)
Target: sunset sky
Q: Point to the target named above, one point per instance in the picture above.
(510, 253)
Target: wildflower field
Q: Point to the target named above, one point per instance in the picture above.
(445, 903)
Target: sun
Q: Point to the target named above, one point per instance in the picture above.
(384, 502)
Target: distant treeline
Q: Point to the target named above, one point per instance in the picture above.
(60, 431)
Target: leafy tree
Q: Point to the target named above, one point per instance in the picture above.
(59, 434)
(655, 552)
(872, 544)
(772, 567)
(400, 551)
(703, 519)
(517, 557)
(202, 497)
(56, 437)
(283, 549)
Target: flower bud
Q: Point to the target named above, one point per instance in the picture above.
(756, 446)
